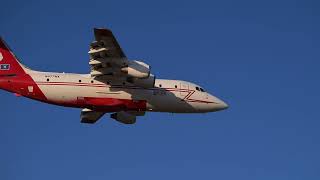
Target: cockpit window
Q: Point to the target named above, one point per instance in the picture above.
(200, 89)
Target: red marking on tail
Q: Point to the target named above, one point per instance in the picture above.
(9, 64)
(13, 77)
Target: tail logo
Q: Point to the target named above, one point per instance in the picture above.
(1, 57)
(4, 66)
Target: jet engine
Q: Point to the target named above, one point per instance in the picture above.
(137, 69)
(145, 83)
(124, 117)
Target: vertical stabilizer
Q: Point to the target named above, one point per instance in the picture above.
(9, 64)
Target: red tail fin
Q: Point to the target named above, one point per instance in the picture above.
(9, 64)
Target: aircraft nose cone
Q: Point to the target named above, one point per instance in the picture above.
(218, 104)
(222, 105)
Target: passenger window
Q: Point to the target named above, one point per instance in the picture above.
(202, 90)
(176, 86)
(197, 88)
(160, 85)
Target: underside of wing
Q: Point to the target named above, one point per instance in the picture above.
(109, 63)
(107, 39)
(106, 55)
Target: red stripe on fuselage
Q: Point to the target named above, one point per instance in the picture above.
(104, 104)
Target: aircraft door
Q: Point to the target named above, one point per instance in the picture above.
(184, 90)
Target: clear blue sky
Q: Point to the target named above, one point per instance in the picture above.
(261, 57)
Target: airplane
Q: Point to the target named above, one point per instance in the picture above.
(116, 85)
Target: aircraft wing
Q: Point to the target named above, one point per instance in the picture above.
(110, 42)
(106, 55)
(109, 63)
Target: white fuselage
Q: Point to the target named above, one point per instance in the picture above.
(167, 95)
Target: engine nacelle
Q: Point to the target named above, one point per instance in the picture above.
(124, 117)
(137, 69)
(145, 83)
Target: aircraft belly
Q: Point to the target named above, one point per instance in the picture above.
(62, 93)
(79, 96)
(168, 103)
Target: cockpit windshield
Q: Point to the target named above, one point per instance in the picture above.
(200, 89)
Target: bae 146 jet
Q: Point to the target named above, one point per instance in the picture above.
(125, 88)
